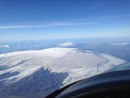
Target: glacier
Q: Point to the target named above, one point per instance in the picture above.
(37, 73)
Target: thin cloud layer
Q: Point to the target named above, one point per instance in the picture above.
(46, 25)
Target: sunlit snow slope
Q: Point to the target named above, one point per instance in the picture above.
(36, 73)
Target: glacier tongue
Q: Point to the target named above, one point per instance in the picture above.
(36, 73)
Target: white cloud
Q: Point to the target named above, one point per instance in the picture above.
(45, 25)
(119, 44)
(4, 46)
(66, 44)
(18, 45)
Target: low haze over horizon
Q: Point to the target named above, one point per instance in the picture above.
(62, 19)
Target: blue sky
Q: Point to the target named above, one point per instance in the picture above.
(57, 19)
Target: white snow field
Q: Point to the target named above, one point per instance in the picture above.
(51, 68)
